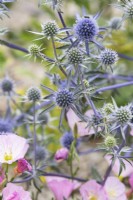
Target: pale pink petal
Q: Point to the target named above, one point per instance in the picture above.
(125, 172)
(61, 187)
(11, 190)
(14, 146)
(115, 189)
(92, 190)
(82, 126)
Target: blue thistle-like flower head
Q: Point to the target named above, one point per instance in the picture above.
(5, 126)
(108, 57)
(64, 98)
(123, 115)
(128, 9)
(115, 23)
(86, 29)
(67, 140)
(41, 153)
(75, 56)
(34, 94)
(7, 85)
(50, 29)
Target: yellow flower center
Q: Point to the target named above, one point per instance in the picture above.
(92, 197)
(112, 193)
(8, 157)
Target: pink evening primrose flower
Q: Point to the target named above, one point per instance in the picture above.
(125, 172)
(115, 189)
(12, 148)
(82, 126)
(61, 188)
(13, 192)
(61, 154)
(91, 190)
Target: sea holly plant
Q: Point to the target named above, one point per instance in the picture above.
(42, 147)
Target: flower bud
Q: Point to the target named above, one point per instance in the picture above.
(61, 154)
(110, 141)
(22, 166)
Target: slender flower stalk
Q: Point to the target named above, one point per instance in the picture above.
(111, 87)
(35, 137)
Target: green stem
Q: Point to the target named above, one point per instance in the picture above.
(53, 44)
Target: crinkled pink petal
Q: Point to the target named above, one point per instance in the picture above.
(131, 180)
(92, 189)
(61, 187)
(125, 172)
(115, 189)
(74, 119)
(13, 192)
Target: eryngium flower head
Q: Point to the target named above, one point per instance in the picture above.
(7, 85)
(86, 29)
(128, 8)
(67, 140)
(108, 57)
(123, 115)
(75, 56)
(43, 118)
(115, 23)
(34, 94)
(108, 108)
(64, 98)
(34, 50)
(5, 127)
(50, 29)
(41, 153)
(110, 141)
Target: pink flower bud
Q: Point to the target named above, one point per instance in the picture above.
(61, 154)
(23, 166)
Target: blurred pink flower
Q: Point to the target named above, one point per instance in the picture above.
(92, 190)
(12, 148)
(131, 181)
(61, 187)
(115, 189)
(125, 172)
(22, 166)
(13, 192)
(74, 119)
(61, 154)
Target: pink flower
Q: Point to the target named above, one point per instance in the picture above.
(131, 181)
(61, 154)
(12, 148)
(74, 119)
(13, 192)
(115, 189)
(61, 188)
(125, 172)
(92, 190)
(22, 166)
